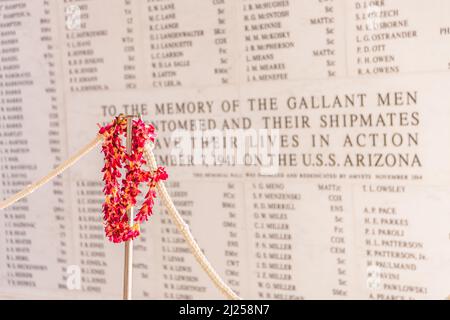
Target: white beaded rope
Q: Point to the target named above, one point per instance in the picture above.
(182, 227)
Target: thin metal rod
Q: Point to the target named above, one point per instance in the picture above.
(128, 264)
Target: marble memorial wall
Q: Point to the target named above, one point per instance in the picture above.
(342, 190)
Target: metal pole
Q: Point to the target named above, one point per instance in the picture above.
(128, 266)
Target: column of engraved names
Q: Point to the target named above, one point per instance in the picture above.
(266, 40)
(100, 50)
(13, 145)
(91, 238)
(180, 281)
(178, 48)
(272, 207)
(378, 37)
(26, 262)
(393, 258)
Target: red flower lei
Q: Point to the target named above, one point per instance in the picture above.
(119, 198)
